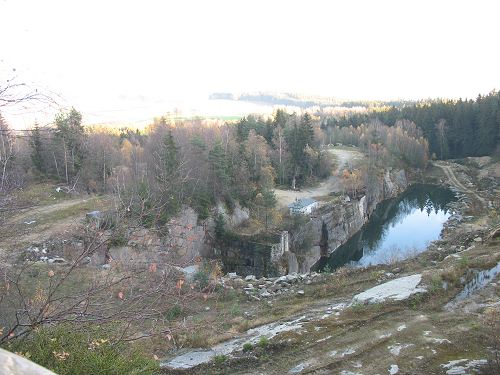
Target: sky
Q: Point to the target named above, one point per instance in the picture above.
(118, 60)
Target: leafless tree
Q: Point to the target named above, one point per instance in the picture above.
(14, 92)
(134, 298)
(6, 152)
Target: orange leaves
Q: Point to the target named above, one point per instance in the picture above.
(96, 343)
(61, 356)
(152, 267)
(120, 295)
(179, 284)
(51, 273)
(25, 355)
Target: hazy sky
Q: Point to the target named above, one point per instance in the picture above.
(123, 57)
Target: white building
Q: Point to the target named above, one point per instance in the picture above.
(303, 206)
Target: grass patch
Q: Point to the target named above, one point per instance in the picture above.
(66, 351)
(42, 193)
(436, 284)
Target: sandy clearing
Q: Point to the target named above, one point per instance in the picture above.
(346, 157)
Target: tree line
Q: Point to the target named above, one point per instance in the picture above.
(453, 128)
(154, 172)
(403, 142)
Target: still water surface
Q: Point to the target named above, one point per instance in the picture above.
(397, 229)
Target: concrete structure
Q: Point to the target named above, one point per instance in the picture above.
(303, 206)
(278, 249)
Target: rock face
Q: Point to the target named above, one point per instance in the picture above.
(184, 242)
(239, 215)
(334, 224)
(249, 255)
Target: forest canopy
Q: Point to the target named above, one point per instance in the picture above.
(454, 129)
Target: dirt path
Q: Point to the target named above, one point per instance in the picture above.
(346, 157)
(450, 174)
(41, 222)
(37, 211)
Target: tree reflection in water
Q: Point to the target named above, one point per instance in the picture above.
(398, 228)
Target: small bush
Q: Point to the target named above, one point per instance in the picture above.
(416, 301)
(202, 278)
(357, 306)
(247, 347)
(118, 238)
(263, 342)
(220, 359)
(173, 313)
(235, 309)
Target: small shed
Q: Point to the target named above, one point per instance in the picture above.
(303, 206)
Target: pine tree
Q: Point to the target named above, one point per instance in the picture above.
(307, 130)
(37, 149)
(220, 168)
(170, 156)
(71, 136)
(220, 227)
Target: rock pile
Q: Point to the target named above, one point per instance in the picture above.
(267, 287)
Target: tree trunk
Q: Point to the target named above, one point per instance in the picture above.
(57, 167)
(66, 163)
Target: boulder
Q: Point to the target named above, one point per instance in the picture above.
(396, 290)
(57, 260)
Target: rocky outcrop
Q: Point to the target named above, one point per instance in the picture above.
(232, 219)
(334, 223)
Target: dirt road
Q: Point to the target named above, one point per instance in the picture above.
(450, 174)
